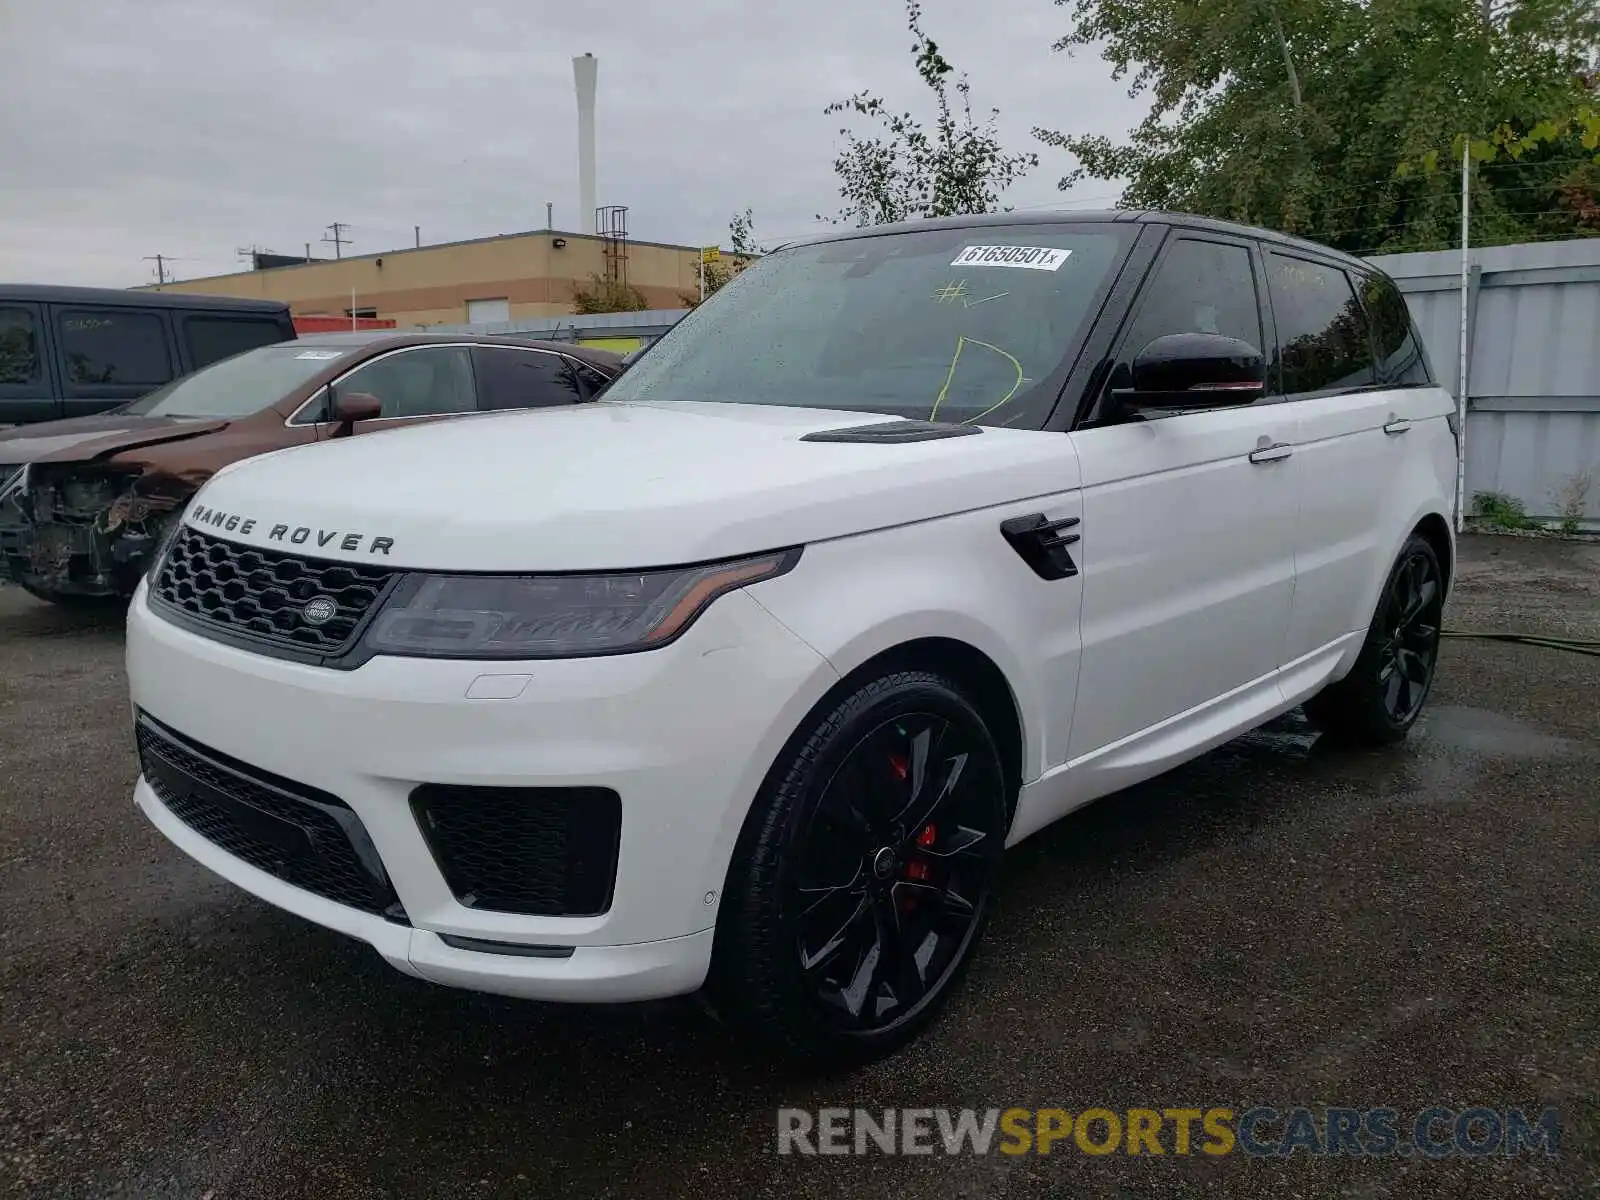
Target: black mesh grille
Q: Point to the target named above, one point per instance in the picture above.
(305, 837)
(537, 851)
(264, 593)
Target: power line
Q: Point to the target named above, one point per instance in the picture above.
(338, 239)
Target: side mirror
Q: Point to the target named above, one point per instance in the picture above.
(352, 407)
(1195, 370)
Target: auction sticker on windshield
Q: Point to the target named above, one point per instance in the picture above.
(320, 354)
(1032, 258)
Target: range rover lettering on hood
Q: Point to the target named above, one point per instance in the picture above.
(297, 535)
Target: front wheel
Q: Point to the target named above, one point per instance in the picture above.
(1378, 702)
(864, 874)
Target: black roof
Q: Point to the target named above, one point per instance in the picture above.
(45, 293)
(1073, 216)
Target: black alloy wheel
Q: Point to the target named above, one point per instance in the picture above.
(1382, 697)
(1411, 616)
(865, 873)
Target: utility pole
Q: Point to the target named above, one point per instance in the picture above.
(1464, 355)
(160, 261)
(338, 239)
(416, 232)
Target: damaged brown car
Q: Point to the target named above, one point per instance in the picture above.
(84, 501)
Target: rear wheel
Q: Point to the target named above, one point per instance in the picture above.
(864, 874)
(1381, 698)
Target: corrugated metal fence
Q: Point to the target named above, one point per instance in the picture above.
(1533, 372)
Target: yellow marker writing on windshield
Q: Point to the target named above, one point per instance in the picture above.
(944, 390)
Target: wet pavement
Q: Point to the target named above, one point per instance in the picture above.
(1282, 923)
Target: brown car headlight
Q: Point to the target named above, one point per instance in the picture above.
(557, 616)
(169, 534)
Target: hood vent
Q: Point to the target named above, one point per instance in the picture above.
(888, 432)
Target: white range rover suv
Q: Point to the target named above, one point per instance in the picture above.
(738, 680)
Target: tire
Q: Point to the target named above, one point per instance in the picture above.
(1377, 703)
(885, 817)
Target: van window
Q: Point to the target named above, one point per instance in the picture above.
(1322, 328)
(1401, 361)
(213, 338)
(107, 346)
(19, 347)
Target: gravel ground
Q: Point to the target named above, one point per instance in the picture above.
(1280, 923)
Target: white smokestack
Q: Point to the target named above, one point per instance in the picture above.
(584, 69)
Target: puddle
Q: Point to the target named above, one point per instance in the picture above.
(1479, 731)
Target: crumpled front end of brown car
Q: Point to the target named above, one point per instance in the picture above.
(84, 529)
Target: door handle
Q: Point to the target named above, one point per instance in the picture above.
(1267, 452)
(1397, 424)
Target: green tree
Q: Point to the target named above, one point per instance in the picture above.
(742, 235)
(907, 171)
(608, 296)
(1342, 120)
(741, 238)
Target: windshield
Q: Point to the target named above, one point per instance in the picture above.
(957, 325)
(238, 386)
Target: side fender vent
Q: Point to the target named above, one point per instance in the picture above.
(887, 432)
(1043, 543)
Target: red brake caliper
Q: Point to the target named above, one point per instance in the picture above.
(916, 868)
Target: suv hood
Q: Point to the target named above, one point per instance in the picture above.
(613, 486)
(83, 439)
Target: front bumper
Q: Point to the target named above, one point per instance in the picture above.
(683, 734)
(99, 550)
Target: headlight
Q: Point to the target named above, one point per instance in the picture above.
(556, 616)
(169, 534)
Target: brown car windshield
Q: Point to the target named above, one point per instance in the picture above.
(238, 386)
(962, 325)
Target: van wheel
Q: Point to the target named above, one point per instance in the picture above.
(1378, 702)
(864, 874)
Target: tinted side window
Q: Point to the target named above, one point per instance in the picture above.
(19, 347)
(1322, 331)
(1401, 361)
(525, 378)
(1200, 287)
(105, 346)
(214, 338)
(417, 383)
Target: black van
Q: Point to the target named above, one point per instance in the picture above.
(72, 351)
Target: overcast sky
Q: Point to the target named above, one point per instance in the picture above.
(192, 128)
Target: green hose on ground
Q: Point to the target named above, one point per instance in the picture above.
(1573, 645)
